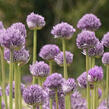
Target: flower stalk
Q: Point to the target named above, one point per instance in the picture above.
(50, 64)
(57, 105)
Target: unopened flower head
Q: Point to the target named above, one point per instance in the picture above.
(49, 51)
(105, 58)
(89, 22)
(63, 30)
(40, 69)
(35, 21)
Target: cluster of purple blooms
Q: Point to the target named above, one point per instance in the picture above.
(13, 40)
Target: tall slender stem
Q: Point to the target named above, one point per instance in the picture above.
(3, 77)
(57, 107)
(34, 51)
(0, 102)
(65, 64)
(34, 107)
(51, 103)
(11, 80)
(88, 85)
(93, 61)
(16, 86)
(94, 96)
(50, 64)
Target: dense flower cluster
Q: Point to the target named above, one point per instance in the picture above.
(105, 58)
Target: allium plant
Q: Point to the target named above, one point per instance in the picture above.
(53, 90)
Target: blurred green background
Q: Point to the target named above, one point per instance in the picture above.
(55, 11)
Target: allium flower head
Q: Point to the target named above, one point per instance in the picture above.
(63, 30)
(40, 69)
(86, 39)
(89, 22)
(103, 105)
(95, 74)
(22, 86)
(35, 21)
(105, 40)
(105, 58)
(54, 81)
(34, 95)
(49, 51)
(1, 25)
(12, 39)
(97, 51)
(59, 59)
(20, 56)
(69, 85)
(21, 27)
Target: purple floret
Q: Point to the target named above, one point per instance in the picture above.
(12, 39)
(40, 69)
(35, 21)
(86, 39)
(105, 40)
(95, 74)
(54, 81)
(63, 30)
(60, 60)
(105, 58)
(34, 95)
(22, 86)
(49, 51)
(89, 22)
(21, 27)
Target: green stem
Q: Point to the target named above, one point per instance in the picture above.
(16, 86)
(94, 96)
(51, 103)
(11, 80)
(34, 106)
(50, 64)
(107, 82)
(88, 85)
(0, 102)
(34, 51)
(57, 107)
(93, 62)
(65, 64)
(3, 77)
(69, 99)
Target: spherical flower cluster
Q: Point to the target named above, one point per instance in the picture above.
(1, 25)
(95, 74)
(49, 51)
(35, 21)
(1, 35)
(21, 56)
(69, 85)
(63, 30)
(22, 86)
(77, 102)
(86, 39)
(105, 40)
(97, 51)
(12, 39)
(34, 95)
(82, 80)
(21, 27)
(89, 22)
(103, 105)
(54, 81)
(59, 59)
(40, 69)
(105, 58)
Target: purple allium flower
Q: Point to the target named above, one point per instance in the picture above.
(34, 95)
(63, 30)
(89, 22)
(40, 69)
(20, 56)
(82, 80)
(1, 35)
(99, 93)
(77, 102)
(1, 25)
(12, 39)
(21, 27)
(86, 39)
(69, 85)
(105, 40)
(49, 51)
(97, 51)
(103, 105)
(54, 81)
(59, 59)
(0, 91)
(95, 74)
(22, 86)
(35, 21)
(105, 58)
